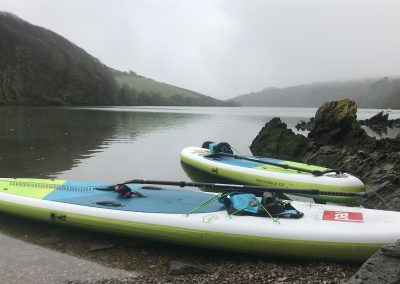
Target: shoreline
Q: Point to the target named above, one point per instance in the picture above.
(152, 259)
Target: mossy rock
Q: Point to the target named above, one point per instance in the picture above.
(276, 140)
(336, 112)
(333, 120)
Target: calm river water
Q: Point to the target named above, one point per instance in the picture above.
(114, 144)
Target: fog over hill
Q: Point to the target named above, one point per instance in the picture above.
(368, 93)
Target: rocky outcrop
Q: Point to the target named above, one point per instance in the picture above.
(383, 267)
(336, 140)
(380, 122)
(333, 120)
(303, 125)
(279, 141)
(379, 118)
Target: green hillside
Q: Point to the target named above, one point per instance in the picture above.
(39, 67)
(141, 83)
(139, 90)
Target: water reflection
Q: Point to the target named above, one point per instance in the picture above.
(41, 142)
(386, 132)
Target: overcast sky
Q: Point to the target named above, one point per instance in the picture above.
(225, 48)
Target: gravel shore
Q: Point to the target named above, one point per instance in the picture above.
(246, 271)
(151, 259)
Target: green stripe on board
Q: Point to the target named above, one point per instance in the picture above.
(290, 171)
(349, 252)
(36, 188)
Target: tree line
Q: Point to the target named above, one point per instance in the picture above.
(132, 97)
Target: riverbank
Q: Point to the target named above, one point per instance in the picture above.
(152, 259)
(336, 140)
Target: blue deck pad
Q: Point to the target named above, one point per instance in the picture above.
(72, 189)
(167, 200)
(245, 163)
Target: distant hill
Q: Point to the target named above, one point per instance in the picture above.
(369, 93)
(40, 67)
(139, 90)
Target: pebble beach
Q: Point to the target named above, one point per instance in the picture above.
(141, 261)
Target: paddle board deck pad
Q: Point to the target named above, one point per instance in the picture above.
(324, 232)
(257, 173)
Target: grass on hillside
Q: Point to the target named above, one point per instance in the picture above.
(148, 85)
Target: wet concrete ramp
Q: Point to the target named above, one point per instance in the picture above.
(21, 262)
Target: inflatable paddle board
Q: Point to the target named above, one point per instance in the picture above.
(270, 172)
(324, 232)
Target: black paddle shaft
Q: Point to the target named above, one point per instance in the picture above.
(314, 172)
(248, 188)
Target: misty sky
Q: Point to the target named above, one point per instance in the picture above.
(225, 48)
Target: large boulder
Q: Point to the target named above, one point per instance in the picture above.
(334, 120)
(276, 140)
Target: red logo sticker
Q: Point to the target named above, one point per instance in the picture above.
(343, 216)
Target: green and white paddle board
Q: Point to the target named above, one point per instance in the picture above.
(257, 173)
(324, 232)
